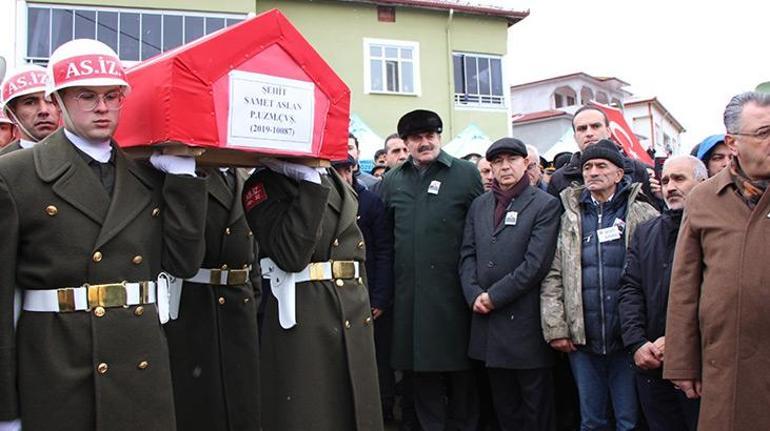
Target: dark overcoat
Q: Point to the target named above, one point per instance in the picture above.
(56, 215)
(214, 343)
(717, 321)
(509, 262)
(431, 318)
(320, 374)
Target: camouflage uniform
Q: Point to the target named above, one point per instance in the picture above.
(561, 293)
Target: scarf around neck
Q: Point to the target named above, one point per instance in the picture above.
(749, 190)
(503, 198)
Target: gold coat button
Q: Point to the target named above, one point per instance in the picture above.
(360, 280)
(250, 234)
(221, 300)
(224, 268)
(336, 242)
(339, 282)
(142, 365)
(245, 266)
(245, 300)
(137, 260)
(97, 257)
(368, 321)
(102, 368)
(138, 311)
(51, 210)
(99, 311)
(227, 231)
(347, 324)
(360, 244)
(155, 212)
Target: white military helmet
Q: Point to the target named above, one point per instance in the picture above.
(84, 62)
(26, 79)
(4, 119)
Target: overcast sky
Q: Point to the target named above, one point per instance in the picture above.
(692, 55)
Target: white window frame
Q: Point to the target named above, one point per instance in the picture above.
(23, 43)
(482, 106)
(416, 82)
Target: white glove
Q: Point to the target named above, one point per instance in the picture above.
(293, 170)
(176, 165)
(14, 425)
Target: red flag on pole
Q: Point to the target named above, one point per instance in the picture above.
(622, 134)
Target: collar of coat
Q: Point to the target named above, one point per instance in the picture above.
(571, 196)
(54, 156)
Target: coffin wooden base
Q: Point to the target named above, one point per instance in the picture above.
(219, 156)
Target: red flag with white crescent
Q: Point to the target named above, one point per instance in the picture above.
(622, 134)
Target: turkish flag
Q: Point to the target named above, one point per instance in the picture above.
(622, 134)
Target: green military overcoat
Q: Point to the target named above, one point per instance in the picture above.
(321, 374)
(214, 342)
(62, 229)
(431, 318)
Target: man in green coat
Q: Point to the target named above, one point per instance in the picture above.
(318, 363)
(214, 343)
(428, 197)
(86, 232)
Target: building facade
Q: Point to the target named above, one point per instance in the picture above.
(443, 55)
(655, 125)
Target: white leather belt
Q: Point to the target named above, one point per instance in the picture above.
(87, 297)
(283, 284)
(221, 277)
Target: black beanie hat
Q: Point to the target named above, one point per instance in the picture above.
(604, 149)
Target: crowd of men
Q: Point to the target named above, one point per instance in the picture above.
(496, 293)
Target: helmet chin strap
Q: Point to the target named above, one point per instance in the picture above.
(12, 116)
(68, 123)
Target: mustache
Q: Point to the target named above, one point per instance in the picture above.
(426, 147)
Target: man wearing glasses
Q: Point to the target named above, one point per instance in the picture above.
(87, 234)
(22, 95)
(716, 330)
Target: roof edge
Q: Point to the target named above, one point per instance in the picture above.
(512, 16)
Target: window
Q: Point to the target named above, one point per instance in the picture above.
(478, 80)
(391, 66)
(135, 34)
(564, 96)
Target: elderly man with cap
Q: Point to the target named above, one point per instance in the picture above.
(6, 130)
(318, 363)
(714, 153)
(22, 94)
(579, 296)
(508, 246)
(428, 197)
(87, 232)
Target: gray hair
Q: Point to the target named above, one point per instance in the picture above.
(699, 171)
(734, 109)
(531, 149)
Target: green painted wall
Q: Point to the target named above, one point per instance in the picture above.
(337, 29)
(223, 6)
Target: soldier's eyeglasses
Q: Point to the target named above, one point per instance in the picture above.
(89, 101)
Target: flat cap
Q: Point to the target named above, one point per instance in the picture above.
(506, 146)
(419, 121)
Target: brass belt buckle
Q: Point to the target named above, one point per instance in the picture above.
(237, 276)
(316, 270)
(66, 299)
(215, 276)
(343, 269)
(107, 295)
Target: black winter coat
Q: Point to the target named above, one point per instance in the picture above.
(646, 279)
(378, 237)
(601, 268)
